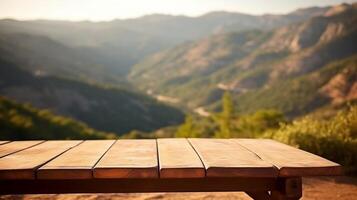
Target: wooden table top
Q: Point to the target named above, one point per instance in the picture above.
(160, 158)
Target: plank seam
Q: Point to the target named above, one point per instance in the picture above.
(199, 157)
(22, 149)
(6, 142)
(37, 167)
(158, 158)
(236, 142)
(92, 169)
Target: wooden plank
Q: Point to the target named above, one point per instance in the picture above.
(16, 146)
(289, 160)
(76, 163)
(22, 165)
(4, 142)
(129, 159)
(177, 159)
(225, 158)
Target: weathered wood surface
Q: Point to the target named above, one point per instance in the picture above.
(178, 159)
(77, 163)
(23, 164)
(225, 158)
(161, 158)
(129, 159)
(16, 146)
(289, 160)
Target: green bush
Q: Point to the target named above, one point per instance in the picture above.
(334, 139)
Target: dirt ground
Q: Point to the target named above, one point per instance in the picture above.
(342, 188)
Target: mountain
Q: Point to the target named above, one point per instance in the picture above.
(248, 62)
(182, 70)
(91, 71)
(44, 56)
(23, 122)
(117, 45)
(105, 108)
(75, 83)
(332, 85)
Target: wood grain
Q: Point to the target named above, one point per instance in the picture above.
(77, 163)
(289, 160)
(129, 159)
(225, 158)
(177, 159)
(13, 147)
(22, 165)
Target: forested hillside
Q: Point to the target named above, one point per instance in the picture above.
(104, 108)
(24, 122)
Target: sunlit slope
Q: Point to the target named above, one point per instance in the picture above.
(197, 73)
(332, 85)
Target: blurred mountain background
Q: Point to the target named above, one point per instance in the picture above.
(290, 77)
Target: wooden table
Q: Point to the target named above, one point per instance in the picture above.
(264, 169)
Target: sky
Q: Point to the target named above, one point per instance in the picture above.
(105, 10)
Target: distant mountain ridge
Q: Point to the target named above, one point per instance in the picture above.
(122, 43)
(249, 60)
(44, 56)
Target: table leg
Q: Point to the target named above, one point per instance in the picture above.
(287, 189)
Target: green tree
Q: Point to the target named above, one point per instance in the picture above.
(225, 118)
(256, 124)
(188, 129)
(228, 109)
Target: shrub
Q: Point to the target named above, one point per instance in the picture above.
(334, 139)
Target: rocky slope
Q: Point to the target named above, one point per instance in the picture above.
(250, 61)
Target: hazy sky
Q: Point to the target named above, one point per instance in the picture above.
(98, 10)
